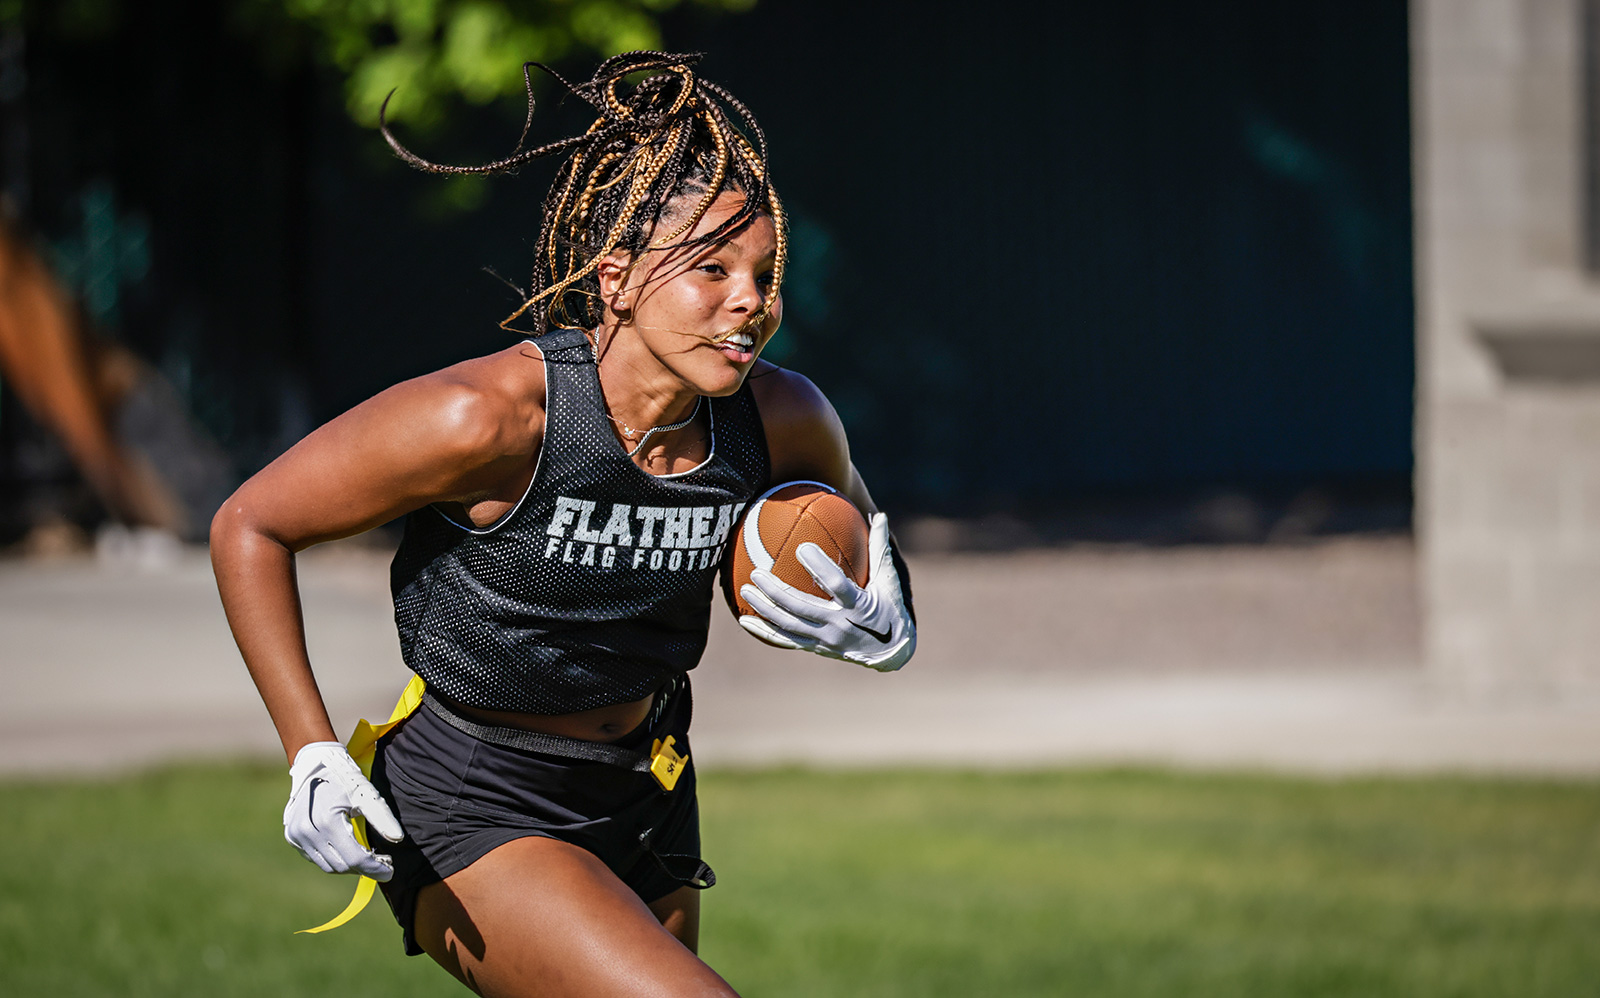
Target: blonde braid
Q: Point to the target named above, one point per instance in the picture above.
(670, 135)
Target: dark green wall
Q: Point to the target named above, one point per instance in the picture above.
(1041, 251)
(1142, 244)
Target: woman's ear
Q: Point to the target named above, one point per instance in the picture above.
(613, 274)
(615, 293)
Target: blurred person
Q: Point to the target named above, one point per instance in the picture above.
(567, 501)
(72, 382)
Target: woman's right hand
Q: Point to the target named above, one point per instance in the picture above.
(327, 790)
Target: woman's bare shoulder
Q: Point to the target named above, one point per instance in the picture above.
(785, 396)
(457, 434)
(492, 404)
(805, 438)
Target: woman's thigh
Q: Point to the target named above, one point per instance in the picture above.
(541, 917)
(679, 914)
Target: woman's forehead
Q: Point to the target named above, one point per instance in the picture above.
(724, 206)
(757, 229)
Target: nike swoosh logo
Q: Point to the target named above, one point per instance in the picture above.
(884, 637)
(311, 799)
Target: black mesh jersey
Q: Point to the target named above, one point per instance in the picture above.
(597, 587)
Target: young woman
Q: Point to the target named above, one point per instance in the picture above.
(569, 499)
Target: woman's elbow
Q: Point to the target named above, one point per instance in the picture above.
(231, 528)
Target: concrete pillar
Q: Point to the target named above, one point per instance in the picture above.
(1508, 339)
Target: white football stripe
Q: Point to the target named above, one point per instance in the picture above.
(759, 556)
(752, 537)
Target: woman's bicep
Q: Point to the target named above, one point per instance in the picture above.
(805, 437)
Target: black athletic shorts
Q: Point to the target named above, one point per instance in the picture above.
(458, 797)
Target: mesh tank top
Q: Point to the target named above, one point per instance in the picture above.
(596, 588)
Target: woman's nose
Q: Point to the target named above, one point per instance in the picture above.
(745, 296)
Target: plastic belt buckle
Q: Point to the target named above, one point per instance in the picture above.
(666, 765)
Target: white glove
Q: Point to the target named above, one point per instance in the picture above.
(868, 626)
(326, 789)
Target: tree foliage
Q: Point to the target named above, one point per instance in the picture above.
(427, 51)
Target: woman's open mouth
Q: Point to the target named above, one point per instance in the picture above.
(740, 347)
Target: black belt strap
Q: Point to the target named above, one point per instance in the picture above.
(535, 741)
(700, 875)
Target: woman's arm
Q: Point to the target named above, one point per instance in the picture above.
(805, 439)
(467, 435)
(871, 625)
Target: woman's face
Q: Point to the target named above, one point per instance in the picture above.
(681, 304)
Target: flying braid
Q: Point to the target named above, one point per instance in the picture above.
(669, 135)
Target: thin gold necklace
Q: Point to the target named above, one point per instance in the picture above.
(630, 432)
(627, 430)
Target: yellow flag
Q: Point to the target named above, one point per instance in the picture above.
(363, 748)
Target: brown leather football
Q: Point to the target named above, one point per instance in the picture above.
(782, 519)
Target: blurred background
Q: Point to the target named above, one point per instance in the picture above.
(1154, 261)
(1231, 372)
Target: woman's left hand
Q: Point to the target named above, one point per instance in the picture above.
(868, 625)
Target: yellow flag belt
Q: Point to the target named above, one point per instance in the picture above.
(665, 763)
(363, 747)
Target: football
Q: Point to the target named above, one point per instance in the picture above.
(779, 521)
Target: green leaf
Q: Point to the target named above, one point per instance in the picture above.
(408, 71)
(474, 56)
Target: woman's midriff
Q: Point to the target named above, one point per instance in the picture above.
(603, 724)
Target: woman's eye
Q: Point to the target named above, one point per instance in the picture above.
(711, 268)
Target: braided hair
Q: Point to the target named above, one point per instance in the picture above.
(668, 136)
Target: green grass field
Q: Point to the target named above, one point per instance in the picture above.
(879, 883)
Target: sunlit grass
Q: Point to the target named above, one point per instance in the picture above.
(879, 883)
